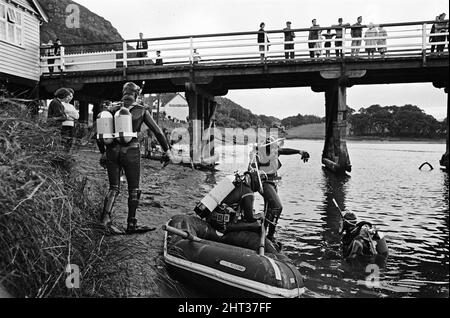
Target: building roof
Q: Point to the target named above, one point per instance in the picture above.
(41, 11)
(171, 98)
(32, 5)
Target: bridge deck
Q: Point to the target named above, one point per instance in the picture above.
(232, 61)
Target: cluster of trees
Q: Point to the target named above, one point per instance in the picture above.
(388, 121)
(299, 120)
(231, 115)
(395, 121)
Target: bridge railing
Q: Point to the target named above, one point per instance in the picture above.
(402, 40)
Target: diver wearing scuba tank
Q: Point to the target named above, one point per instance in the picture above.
(361, 238)
(123, 152)
(267, 159)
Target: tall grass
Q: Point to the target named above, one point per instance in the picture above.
(47, 212)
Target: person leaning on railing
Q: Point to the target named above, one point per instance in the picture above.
(340, 30)
(382, 41)
(441, 27)
(432, 36)
(262, 40)
(356, 34)
(314, 33)
(289, 37)
(371, 43)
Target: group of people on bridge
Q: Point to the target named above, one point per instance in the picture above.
(375, 38)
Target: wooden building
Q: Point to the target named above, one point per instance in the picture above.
(20, 22)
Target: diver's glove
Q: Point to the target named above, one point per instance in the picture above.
(305, 156)
(103, 160)
(165, 159)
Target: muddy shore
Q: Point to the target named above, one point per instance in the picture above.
(137, 268)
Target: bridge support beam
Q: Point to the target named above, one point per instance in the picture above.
(84, 112)
(201, 124)
(335, 154)
(444, 162)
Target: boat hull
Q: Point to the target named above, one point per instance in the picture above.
(226, 270)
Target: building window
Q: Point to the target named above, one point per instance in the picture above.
(11, 29)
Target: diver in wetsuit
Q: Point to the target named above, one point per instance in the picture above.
(126, 156)
(269, 164)
(361, 238)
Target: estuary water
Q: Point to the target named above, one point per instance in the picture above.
(386, 187)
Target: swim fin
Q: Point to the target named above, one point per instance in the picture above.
(139, 229)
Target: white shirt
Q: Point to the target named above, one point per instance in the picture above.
(71, 113)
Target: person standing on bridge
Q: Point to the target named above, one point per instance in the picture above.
(432, 36)
(371, 43)
(314, 34)
(328, 36)
(266, 156)
(50, 51)
(340, 31)
(142, 45)
(124, 154)
(57, 51)
(289, 37)
(382, 41)
(263, 41)
(159, 60)
(441, 27)
(357, 36)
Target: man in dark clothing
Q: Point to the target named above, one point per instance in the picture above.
(441, 27)
(340, 30)
(263, 39)
(313, 36)
(125, 155)
(361, 238)
(57, 50)
(159, 60)
(328, 37)
(289, 36)
(357, 35)
(142, 45)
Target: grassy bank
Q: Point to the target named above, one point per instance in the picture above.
(312, 131)
(47, 213)
(317, 131)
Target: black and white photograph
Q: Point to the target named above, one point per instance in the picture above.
(230, 156)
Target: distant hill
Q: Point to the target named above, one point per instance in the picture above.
(311, 131)
(93, 28)
(232, 115)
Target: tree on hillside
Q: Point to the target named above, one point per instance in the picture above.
(299, 120)
(394, 121)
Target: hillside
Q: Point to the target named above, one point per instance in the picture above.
(311, 131)
(93, 28)
(232, 115)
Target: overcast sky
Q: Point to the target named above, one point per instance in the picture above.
(157, 18)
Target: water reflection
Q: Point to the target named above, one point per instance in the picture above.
(334, 188)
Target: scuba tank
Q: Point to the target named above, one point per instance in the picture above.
(205, 207)
(123, 124)
(105, 127)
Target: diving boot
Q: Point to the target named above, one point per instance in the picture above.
(110, 199)
(133, 202)
(133, 228)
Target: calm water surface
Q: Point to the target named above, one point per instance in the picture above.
(386, 188)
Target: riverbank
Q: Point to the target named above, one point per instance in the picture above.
(317, 132)
(137, 269)
(50, 204)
